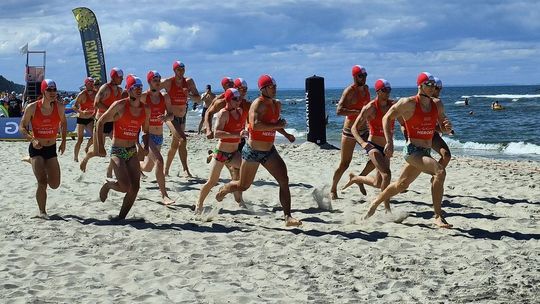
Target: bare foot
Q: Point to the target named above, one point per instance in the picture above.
(167, 201)
(209, 157)
(43, 216)
(387, 207)
(441, 222)
(362, 189)
(76, 159)
(221, 194)
(292, 222)
(333, 195)
(350, 182)
(187, 174)
(199, 209)
(83, 164)
(104, 192)
(26, 159)
(371, 211)
(166, 172)
(241, 204)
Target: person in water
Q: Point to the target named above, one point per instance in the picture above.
(421, 115)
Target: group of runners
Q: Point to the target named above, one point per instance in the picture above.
(245, 130)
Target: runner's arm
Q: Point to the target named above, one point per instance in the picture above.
(345, 101)
(362, 120)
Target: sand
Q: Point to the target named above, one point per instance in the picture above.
(248, 256)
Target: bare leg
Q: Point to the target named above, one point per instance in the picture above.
(80, 138)
(123, 182)
(170, 154)
(90, 141)
(408, 175)
(434, 168)
(347, 150)
(215, 170)
(182, 153)
(40, 172)
(438, 144)
(277, 168)
(135, 179)
(248, 170)
(155, 156)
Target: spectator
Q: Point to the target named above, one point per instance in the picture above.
(4, 108)
(15, 106)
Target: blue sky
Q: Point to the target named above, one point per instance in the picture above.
(462, 42)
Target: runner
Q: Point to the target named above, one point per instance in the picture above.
(179, 88)
(159, 104)
(46, 116)
(217, 104)
(129, 115)
(421, 115)
(229, 129)
(438, 143)
(373, 113)
(264, 120)
(353, 99)
(107, 94)
(84, 106)
(206, 98)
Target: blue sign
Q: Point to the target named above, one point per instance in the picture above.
(9, 127)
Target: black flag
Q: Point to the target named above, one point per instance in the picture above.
(91, 43)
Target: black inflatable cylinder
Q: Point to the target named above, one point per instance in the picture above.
(315, 110)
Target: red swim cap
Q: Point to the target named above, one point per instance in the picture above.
(424, 77)
(177, 64)
(116, 72)
(266, 80)
(88, 80)
(133, 81)
(381, 84)
(231, 93)
(152, 74)
(47, 83)
(240, 83)
(226, 80)
(358, 69)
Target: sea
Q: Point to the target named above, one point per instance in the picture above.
(511, 133)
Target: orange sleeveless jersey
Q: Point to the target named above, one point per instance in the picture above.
(376, 125)
(267, 136)
(234, 126)
(127, 126)
(88, 104)
(111, 99)
(179, 95)
(359, 104)
(422, 125)
(156, 110)
(45, 126)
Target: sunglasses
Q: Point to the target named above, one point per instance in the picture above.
(137, 86)
(51, 90)
(429, 84)
(361, 75)
(385, 90)
(235, 99)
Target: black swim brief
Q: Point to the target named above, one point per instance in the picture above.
(108, 127)
(84, 121)
(45, 152)
(374, 146)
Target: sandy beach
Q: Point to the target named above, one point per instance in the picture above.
(248, 256)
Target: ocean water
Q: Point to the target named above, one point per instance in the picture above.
(511, 133)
